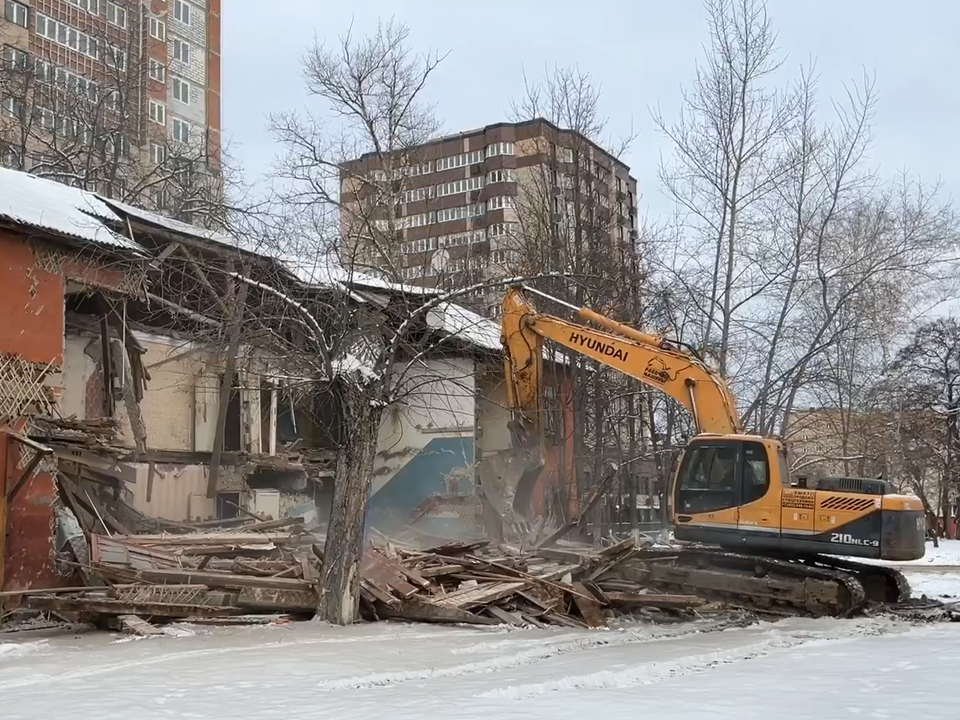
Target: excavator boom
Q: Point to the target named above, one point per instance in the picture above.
(646, 357)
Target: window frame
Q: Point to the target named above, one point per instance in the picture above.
(179, 6)
(11, 8)
(182, 45)
(181, 123)
(181, 84)
(152, 64)
(160, 26)
(119, 11)
(162, 107)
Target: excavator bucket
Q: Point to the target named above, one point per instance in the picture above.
(508, 479)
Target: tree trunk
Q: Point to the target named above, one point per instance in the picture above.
(339, 601)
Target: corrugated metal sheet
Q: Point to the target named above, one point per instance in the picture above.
(58, 208)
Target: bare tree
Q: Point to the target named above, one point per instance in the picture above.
(726, 147)
(341, 181)
(814, 260)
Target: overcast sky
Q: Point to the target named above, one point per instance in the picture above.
(640, 52)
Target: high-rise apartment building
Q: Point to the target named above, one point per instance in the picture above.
(466, 206)
(87, 82)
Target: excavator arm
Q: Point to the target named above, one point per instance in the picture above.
(649, 358)
(509, 476)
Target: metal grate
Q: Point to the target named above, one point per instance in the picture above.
(852, 504)
(22, 392)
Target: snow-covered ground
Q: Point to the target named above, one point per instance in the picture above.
(873, 668)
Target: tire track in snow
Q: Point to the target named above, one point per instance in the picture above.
(523, 657)
(179, 656)
(655, 671)
(645, 674)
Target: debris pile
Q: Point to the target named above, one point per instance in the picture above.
(272, 568)
(465, 582)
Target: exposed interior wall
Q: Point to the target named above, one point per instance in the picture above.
(180, 404)
(426, 443)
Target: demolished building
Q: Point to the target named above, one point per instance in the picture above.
(119, 330)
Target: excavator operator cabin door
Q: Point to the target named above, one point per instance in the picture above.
(709, 489)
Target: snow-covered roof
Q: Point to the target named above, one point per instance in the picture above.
(66, 211)
(168, 223)
(324, 271)
(457, 321)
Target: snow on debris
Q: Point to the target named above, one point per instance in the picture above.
(29, 200)
(459, 322)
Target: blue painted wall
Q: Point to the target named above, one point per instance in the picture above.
(424, 475)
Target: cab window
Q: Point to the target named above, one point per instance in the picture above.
(756, 472)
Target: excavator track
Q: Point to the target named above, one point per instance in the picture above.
(820, 587)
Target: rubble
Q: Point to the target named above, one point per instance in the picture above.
(242, 574)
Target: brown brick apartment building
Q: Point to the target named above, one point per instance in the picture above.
(161, 58)
(464, 201)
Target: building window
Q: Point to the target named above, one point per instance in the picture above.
(158, 112)
(14, 59)
(501, 202)
(158, 71)
(14, 107)
(181, 90)
(91, 6)
(502, 176)
(181, 50)
(63, 34)
(567, 155)
(116, 15)
(181, 130)
(116, 58)
(181, 11)
(15, 12)
(158, 29)
(158, 154)
(502, 148)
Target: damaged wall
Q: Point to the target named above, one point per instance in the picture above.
(33, 276)
(426, 444)
(179, 406)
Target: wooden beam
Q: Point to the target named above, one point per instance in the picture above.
(105, 360)
(226, 384)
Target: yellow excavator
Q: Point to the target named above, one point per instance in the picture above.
(752, 535)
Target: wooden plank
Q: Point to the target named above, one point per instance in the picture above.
(485, 594)
(378, 568)
(216, 580)
(133, 625)
(255, 598)
(378, 593)
(235, 538)
(109, 606)
(617, 548)
(112, 551)
(504, 616)
(671, 602)
(418, 608)
(440, 570)
(590, 609)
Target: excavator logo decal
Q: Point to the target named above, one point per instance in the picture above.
(600, 347)
(657, 371)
